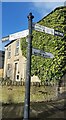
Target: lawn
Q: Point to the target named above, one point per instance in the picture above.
(16, 94)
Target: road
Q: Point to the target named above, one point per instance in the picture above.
(38, 110)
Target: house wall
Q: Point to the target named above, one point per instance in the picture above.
(16, 61)
(19, 59)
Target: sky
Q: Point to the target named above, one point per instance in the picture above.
(14, 15)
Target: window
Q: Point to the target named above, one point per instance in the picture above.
(8, 70)
(17, 48)
(9, 52)
(9, 66)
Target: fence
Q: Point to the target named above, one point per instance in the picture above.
(22, 83)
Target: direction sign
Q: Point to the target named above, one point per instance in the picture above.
(57, 33)
(42, 53)
(38, 27)
(46, 30)
(17, 35)
(5, 38)
(49, 30)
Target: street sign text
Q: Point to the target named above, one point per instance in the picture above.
(42, 53)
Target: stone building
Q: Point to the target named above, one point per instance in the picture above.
(14, 65)
(15, 62)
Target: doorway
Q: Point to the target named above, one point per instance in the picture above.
(16, 74)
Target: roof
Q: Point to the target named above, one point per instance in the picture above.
(10, 43)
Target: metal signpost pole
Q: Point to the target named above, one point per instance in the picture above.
(28, 70)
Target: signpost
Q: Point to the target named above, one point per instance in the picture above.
(5, 38)
(31, 51)
(42, 53)
(57, 33)
(18, 35)
(34, 51)
(28, 70)
(36, 27)
(48, 30)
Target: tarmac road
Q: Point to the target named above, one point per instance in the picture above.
(45, 110)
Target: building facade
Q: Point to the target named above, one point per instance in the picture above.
(15, 63)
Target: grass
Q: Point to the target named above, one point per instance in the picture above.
(43, 93)
(13, 94)
(16, 94)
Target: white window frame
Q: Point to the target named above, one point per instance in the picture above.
(17, 71)
(17, 48)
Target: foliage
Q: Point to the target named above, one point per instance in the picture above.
(23, 46)
(46, 68)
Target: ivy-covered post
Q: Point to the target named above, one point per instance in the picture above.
(28, 70)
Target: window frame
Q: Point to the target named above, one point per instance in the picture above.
(9, 51)
(17, 48)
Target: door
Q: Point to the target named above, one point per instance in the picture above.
(16, 75)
